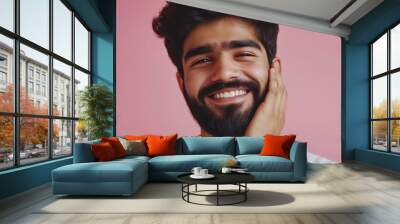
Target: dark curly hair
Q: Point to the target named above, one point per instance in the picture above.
(176, 21)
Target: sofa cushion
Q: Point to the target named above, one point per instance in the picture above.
(249, 145)
(111, 171)
(83, 152)
(277, 145)
(103, 152)
(134, 147)
(207, 145)
(116, 145)
(159, 145)
(185, 163)
(136, 137)
(132, 158)
(257, 163)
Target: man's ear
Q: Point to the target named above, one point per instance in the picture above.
(276, 64)
(180, 81)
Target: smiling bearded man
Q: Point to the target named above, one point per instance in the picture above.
(226, 69)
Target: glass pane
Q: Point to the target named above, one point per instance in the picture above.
(395, 136)
(81, 45)
(395, 94)
(62, 29)
(35, 21)
(81, 81)
(379, 135)
(7, 14)
(6, 74)
(62, 138)
(379, 55)
(6, 142)
(81, 131)
(379, 98)
(34, 92)
(62, 89)
(395, 47)
(33, 139)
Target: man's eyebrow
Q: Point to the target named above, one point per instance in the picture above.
(230, 45)
(243, 43)
(196, 51)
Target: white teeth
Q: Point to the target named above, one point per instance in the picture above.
(229, 94)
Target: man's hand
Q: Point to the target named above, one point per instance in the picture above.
(270, 115)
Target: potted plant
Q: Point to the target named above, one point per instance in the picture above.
(96, 102)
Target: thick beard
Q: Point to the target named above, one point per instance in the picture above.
(233, 122)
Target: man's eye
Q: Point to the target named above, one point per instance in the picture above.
(246, 54)
(201, 61)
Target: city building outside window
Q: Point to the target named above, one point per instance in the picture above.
(3, 60)
(3, 78)
(30, 87)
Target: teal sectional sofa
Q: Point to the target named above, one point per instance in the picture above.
(125, 176)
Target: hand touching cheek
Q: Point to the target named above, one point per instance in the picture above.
(270, 115)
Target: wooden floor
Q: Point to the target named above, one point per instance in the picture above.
(378, 188)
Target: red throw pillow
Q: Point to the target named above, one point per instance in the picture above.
(116, 145)
(103, 151)
(161, 145)
(136, 137)
(277, 145)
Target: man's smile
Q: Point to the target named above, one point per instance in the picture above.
(226, 96)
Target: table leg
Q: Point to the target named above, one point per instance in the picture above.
(182, 188)
(188, 189)
(217, 194)
(245, 193)
(196, 188)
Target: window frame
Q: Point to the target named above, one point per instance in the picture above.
(388, 74)
(16, 115)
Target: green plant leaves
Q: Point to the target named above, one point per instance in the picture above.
(97, 104)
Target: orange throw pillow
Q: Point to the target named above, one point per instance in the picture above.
(277, 145)
(116, 145)
(103, 152)
(136, 137)
(161, 145)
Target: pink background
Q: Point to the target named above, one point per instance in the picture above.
(149, 100)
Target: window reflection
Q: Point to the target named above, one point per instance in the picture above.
(81, 45)
(35, 21)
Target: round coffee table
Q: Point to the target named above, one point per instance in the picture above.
(238, 179)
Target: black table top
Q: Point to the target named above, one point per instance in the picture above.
(220, 178)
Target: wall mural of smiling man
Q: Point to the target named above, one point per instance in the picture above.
(191, 71)
(227, 70)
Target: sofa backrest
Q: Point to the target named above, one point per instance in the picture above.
(83, 152)
(206, 145)
(249, 145)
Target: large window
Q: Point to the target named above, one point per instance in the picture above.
(44, 64)
(385, 91)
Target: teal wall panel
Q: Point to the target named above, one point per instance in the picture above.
(356, 103)
(24, 178)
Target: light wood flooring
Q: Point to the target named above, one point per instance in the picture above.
(378, 188)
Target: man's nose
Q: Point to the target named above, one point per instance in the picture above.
(224, 69)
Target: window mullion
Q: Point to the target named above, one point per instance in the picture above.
(371, 99)
(50, 78)
(73, 83)
(389, 76)
(16, 84)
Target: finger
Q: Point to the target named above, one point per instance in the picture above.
(277, 65)
(283, 103)
(278, 70)
(273, 80)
